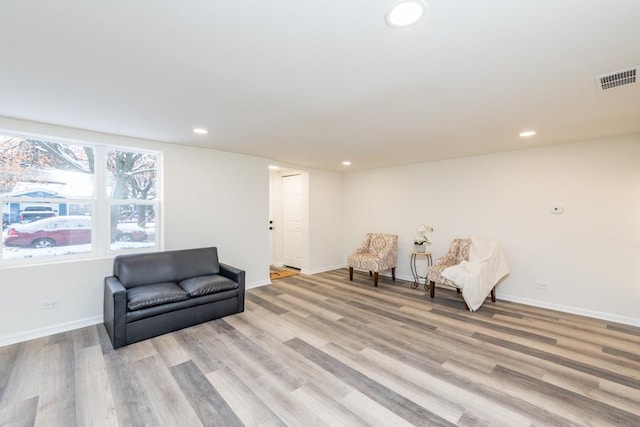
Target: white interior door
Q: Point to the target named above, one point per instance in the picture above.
(292, 220)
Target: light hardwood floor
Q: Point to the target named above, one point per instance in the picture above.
(320, 350)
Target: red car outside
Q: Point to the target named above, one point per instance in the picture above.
(63, 231)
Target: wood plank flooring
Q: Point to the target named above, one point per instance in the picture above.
(322, 351)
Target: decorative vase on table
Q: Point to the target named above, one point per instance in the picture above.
(422, 241)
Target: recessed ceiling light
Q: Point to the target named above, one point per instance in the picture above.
(346, 163)
(527, 133)
(274, 167)
(405, 13)
(200, 131)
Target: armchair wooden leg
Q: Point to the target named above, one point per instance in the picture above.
(493, 294)
(351, 273)
(375, 279)
(432, 289)
(393, 274)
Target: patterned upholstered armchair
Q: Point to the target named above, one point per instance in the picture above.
(458, 252)
(378, 252)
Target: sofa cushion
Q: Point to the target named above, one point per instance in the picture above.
(205, 285)
(184, 306)
(169, 266)
(156, 294)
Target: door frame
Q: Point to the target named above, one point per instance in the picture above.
(275, 215)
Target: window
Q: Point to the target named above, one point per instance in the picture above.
(132, 187)
(52, 206)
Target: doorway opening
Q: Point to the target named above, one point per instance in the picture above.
(288, 219)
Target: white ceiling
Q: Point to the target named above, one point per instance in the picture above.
(314, 83)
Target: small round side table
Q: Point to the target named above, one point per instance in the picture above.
(414, 268)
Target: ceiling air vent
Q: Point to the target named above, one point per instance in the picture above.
(616, 79)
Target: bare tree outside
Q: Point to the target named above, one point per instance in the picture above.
(134, 177)
(19, 160)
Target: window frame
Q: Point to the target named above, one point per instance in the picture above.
(157, 203)
(99, 202)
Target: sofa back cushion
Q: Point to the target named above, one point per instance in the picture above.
(170, 266)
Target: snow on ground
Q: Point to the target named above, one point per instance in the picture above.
(24, 253)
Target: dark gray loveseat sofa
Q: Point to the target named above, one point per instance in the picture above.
(154, 293)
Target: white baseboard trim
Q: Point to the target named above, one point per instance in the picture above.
(258, 284)
(323, 269)
(570, 309)
(49, 330)
(403, 277)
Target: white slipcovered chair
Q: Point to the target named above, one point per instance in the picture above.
(473, 267)
(378, 252)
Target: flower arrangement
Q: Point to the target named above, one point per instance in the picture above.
(422, 238)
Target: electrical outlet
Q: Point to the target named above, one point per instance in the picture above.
(50, 303)
(542, 285)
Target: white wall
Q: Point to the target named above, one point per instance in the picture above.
(326, 221)
(228, 192)
(229, 196)
(589, 256)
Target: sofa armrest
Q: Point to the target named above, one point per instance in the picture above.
(232, 273)
(237, 276)
(115, 308)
